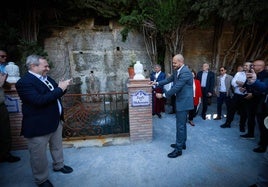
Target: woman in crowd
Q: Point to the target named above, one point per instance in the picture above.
(197, 98)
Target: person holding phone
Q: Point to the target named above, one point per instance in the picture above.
(238, 102)
(259, 104)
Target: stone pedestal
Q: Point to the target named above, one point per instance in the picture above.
(140, 115)
(18, 141)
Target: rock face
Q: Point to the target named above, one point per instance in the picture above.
(85, 50)
(86, 47)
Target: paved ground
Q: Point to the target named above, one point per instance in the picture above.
(214, 157)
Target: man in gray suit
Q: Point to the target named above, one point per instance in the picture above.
(183, 88)
(223, 90)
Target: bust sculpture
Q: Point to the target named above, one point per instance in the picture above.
(13, 72)
(138, 69)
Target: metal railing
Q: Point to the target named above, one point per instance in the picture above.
(90, 115)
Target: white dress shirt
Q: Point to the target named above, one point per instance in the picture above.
(239, 76)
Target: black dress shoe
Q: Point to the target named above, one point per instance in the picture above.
(159, 115)
(47, 183)
(253, 185)
(225, 125)
(174, 154)
(260, 149)
(64, 169)
(191, 123)
(10, 158)
(248, 136)
(174, 146)
(204, 116)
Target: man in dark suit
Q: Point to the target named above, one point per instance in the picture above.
(260, 104)
(207, 80)
(182, 79)
(42, 118)
(158, 104)
(257, 84)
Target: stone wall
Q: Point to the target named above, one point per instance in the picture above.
(76, 51)
(95, 55)
(198, 47)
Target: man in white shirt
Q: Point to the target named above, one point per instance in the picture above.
(239, 101)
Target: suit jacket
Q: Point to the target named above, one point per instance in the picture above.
(260, 86)
(160, 77)
(228, 85)
(182, 87)
(210, 81)
(39, 106)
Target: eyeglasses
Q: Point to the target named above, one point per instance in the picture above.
(49, 85)
(221, 69)
(3, 56)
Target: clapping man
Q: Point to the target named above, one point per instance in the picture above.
(42, 118)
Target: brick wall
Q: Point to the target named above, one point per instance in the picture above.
(140, 117)
(18, 142)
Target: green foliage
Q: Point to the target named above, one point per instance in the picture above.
(29, 48)
(132, 21)
(242, 12)
(104, 8)
(168, 14)
(162, 16)
(132, 60)
(124, 33)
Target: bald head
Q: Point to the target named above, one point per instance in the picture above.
(178, 61)
(179, 57)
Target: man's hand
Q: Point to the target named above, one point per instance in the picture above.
(239, 83)
(64, 84)
(152, 83)
(159, 95)
(251, 77)
(248, 96)
(241, 89)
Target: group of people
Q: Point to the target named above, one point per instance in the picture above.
(42, 118)
(243, 99)
(43, 112)
(238, 96)
(245, 93)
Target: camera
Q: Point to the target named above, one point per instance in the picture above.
(250, 68)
